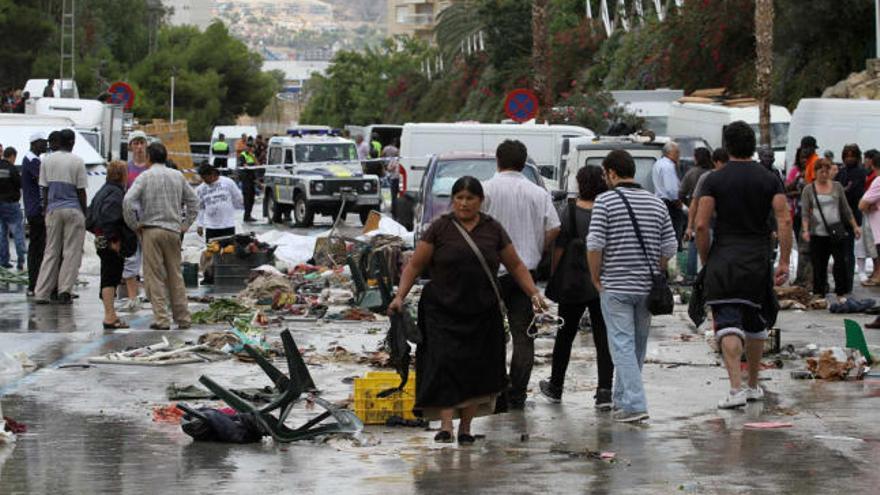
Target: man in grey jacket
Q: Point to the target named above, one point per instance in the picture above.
(162, 193)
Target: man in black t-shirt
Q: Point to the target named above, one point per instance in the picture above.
(738, 278)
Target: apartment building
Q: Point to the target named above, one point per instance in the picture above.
(414, 17)
(197, 13)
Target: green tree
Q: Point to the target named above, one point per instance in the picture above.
(216, 79)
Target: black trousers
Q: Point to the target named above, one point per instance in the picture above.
(36, 246)
(821, 249)
(572, 314)
(248, 192)
(678, 218)
(520, 315)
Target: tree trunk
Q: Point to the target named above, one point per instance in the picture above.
(764, 64)
(540, 55)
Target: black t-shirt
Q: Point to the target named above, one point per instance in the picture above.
(743, 193)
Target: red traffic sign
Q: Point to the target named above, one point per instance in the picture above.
(121, 94)
(521, 105)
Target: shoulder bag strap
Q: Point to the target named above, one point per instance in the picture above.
(482, 260)
(635, 224)
(819, 207)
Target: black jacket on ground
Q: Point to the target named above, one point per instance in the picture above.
(10, 183)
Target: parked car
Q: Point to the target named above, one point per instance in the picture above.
(442, 172)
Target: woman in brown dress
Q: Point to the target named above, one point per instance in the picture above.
(460, 367)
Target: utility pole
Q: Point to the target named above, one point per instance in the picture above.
(68, 45)
(173, 73)
(764, 64)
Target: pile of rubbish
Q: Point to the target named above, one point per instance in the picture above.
(241, 245)
(162, 354)
(835, 364)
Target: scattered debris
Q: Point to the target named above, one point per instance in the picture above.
(160, 354)
(14, 426)
(167, 414)
(586, 454)
(220, 311)
(836, 363)
(852, 306)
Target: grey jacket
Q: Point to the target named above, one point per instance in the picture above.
(808, 203)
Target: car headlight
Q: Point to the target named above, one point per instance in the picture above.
(319, 187)
(368, 186)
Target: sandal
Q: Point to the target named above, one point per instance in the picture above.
(870, 283)
(443, 436)
(466, 439)
(116, 325)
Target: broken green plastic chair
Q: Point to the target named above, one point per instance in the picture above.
(374, 299)
(293, 387)
(855, 339)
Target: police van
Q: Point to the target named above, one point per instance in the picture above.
(316, 174)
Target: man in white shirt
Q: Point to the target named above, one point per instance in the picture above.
(664, 175)
(526, 212)
(219, 200)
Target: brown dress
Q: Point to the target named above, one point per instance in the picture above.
(462, 354)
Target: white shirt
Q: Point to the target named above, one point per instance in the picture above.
(218, 203)
(665, 179)
(524, 209)
(363, 150)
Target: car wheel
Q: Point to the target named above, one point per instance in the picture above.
(303, 214)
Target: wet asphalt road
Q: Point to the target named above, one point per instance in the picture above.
(90, 430)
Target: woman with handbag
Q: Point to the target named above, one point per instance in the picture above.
(827, 222)
(460, 368)
(570, 286)
(113, 239)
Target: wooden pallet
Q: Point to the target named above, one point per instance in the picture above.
(175, 137)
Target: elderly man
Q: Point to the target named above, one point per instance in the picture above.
(162, 194)
(666, 183)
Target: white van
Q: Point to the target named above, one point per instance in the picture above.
(651, 105)
(100, 123)
(231, 133)
(708, 120)
(834, 122)
(420, 141)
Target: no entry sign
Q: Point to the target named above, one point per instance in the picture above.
(521, 105)
(121, 94)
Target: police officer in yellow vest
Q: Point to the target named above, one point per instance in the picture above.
(246, 161)
(220, 149)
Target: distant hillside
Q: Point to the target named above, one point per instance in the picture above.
(360, 10)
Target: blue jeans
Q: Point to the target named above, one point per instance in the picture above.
(691, 269)
(11, 219)
(627, 319)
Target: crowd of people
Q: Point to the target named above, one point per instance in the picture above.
(610, 248)
(138, 218)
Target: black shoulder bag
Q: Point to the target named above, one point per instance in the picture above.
(836, 231)
(660, 300)
(570, 283)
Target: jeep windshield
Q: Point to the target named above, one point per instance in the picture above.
(325, 152)
(449, 171)
(644, 166)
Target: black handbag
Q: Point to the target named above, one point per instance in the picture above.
(836, 231)
(570, 283)
(660, 301)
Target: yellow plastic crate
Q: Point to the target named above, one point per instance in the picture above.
(374, 410)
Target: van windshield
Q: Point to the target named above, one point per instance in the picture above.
(325, 152)
(778, 135)
(644, 165)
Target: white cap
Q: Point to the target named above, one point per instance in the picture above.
(137, 135)
(37, 136)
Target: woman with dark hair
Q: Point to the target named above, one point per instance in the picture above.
(461, 364)
(704, 164)
(575, 226)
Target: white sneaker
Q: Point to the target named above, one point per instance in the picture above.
(754, 394)
(133, 306)
(733, 400)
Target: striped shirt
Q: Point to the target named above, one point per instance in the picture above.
(624, 268)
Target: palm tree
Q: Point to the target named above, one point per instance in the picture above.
(764, 63)
(540, 55)
(456, 24)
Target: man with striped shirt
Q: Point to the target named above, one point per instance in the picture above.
(621, 272)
